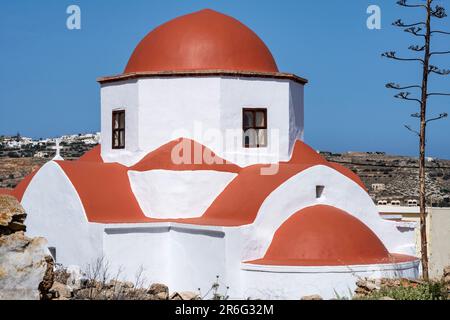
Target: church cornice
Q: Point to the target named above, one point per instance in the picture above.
(204, 73)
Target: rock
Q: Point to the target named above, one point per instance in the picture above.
(75, 277)
(9, 207)
(447, 271)
(386, 298)
(361, 291)
(12, 215)
(367, 285)
(159, 291)
(447, 279)
(84, 294)
(372, 286)
(47, 281)
(312, 297)
(23, 265)
(60, 291)
(188, 295)
(128, 285)
(175, 296)
(15, 226)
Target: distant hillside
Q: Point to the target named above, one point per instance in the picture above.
(396, 177)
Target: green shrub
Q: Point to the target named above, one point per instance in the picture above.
(426, 291)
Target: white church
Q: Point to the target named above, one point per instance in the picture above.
(202, 172)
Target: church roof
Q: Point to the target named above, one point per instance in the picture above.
(325, 235)
(203, 40)
(203, 43)
(107, 197)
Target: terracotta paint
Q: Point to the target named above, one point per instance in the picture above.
(161, 158)
(20, 189)
(324, 235)
(203, 40)
(105, 191)
(239, 203)
(93, 155)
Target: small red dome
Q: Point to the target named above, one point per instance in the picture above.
(203, 40)
(325, 236)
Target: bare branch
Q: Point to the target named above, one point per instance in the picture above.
(401, 24)
(439, 52)
(415, 31)
(442, 72)
(438, 94)
(405, 96)
(415, 115)
(396, 86)
(417, 48)
(412, 130)
(439, 12)
(441, 116)
(404, 3)
(441, 32)
(391, 55)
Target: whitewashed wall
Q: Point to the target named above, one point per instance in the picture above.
(181, 256)
(292, 283)
(123, 95)
(168, 194)
(55, 212)
(201, 108)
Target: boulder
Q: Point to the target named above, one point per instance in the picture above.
(367, 285)
(159, 291)
(61, 291)
(175, 296)
(12, 215)
(188, 295)
(47, 281)
(75, 278)
(23, 265)
(446, 275)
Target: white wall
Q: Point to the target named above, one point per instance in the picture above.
(177, 194)
(197, 257)
(55, 212)
(123, 95)
(183, 257)
(201, 108)
(438, 225)
(135, 246)
(274, 95)
(296, 111)
(274, 282)
(186, 258)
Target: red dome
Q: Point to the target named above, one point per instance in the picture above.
(325, 236)
(203, 40)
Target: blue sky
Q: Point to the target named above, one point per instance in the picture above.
(48, 73)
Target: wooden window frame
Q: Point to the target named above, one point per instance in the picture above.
(118, 113)
(254, 126)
